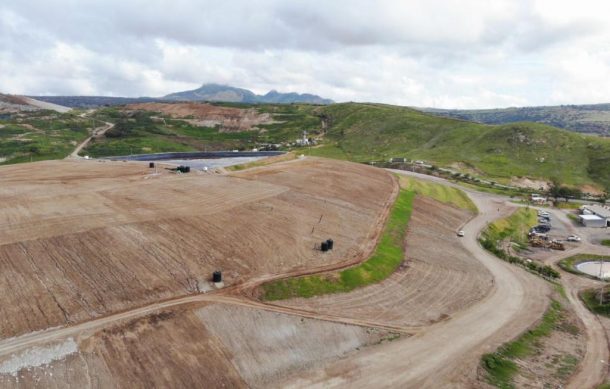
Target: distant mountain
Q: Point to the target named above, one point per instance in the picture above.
(93, 101)
(225, 93)
(592, 118)
(207, 92)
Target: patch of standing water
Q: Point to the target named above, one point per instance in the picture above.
(595, 268)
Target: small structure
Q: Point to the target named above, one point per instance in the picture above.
(151, 165)
(398, 160)
(591, 221)
(330, 243)
(217, 277)
(324, 246)
(595, 216)
(536, 198)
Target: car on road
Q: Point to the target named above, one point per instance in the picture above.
(460, 233)
(544, 213)
(573, 238)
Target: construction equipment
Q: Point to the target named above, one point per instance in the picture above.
(540, 241)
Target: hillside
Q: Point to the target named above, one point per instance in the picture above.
(364, 132)
(225, 93)
(360, 132)
(579, 118)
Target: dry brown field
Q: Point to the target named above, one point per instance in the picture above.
(80, 240)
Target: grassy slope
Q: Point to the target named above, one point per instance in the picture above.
(371, 132)
(591, 299)
(40, 135)
(515, 227)
(501, 366)
(443, 193)
(143, 134)
(359, 132)
(388, 255)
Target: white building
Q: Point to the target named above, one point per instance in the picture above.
(595, 216)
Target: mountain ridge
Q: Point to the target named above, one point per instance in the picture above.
(584, 118)
(226, 93)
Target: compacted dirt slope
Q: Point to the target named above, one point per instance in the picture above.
(207, 115)
(80, 240)
(439, 276)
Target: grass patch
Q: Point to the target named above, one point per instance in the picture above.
(388, 255)
(262, 162)
(40, 135)
(514, 229)
(570, 205)
(443, 193)
(605, 242)
(590, 298)
(326, 151)
(500, 365)
(569, 264)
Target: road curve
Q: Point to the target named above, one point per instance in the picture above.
(96, 132)
(432, 357)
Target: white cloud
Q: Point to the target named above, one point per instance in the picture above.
(463, 54)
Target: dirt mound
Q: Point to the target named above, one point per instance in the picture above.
(13, 104)
(439, 277)
(228, 119)
(83, 239)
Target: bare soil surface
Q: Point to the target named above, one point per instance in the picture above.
(268, 346)
(206, 115)
(170, 349)
(412, 296)
(447, 353)
(81, 240)
(115, 257)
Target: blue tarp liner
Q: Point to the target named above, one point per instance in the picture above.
(195, 155)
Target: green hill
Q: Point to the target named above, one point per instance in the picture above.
(364, 132)
(358, 132)
(590, 118)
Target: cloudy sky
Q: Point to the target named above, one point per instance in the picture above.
(435, 53)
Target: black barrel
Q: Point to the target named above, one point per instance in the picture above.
(151, 165)
(330, 243)
(217, 276)
(324, 246)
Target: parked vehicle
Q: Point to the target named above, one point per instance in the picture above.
(460, 233)
(573, 238)
(541, 228)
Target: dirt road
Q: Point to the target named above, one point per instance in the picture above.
(99, 131)
(444, 354)
(441, 354)
(592, 371)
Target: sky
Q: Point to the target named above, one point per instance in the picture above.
(425, 53)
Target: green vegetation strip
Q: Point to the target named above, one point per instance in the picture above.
(569, 264)
(606, 242)
(387, 257)
(514, 229)
(443, 193)
(590, 298)
(501, 366)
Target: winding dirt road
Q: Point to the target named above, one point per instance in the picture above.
(440, 355)
(444, 354)
(98, 131)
